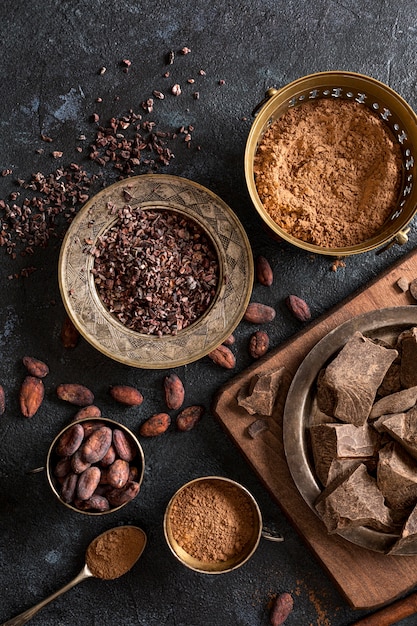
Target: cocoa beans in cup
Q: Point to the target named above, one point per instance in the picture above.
(95, 465)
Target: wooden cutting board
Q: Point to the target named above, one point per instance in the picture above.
(366, 579)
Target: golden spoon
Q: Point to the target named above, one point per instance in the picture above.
(124, 542)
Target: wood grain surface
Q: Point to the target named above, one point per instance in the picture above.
(366, 579)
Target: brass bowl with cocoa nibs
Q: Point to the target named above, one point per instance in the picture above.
(351, 187)
(155, 271)
(95, 466)
(213, 525)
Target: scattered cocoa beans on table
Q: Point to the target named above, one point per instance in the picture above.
(223, 356)
(94, 466)
(258, 344)
(281, 607)
(258, 313)
(75, 394)
(69, 334)
(173, 391)
(263, 270)
(299, 308)
(155, 425)
(125, 394)
(35, 367)
(31, 395)
(188, 417)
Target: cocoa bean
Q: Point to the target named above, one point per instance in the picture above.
(124, 445)
(223, 356)
(258, 313)
(62, 468)
(90, 427)
(281, 607)
(2, 400)
(188, 418)
(69, 334)
(87, 482)
(299, 308)
(109, 457)
(70, 440)
(126, 395)
(75, 394)
(117, 497)
(118, 473)
(31, 395)
(90, 410)
(174, 391)
(35, 367)
(258, 344)
(96, 445)
(155, 425)
(229, 341)
(133, 473)
(78, 465)
(264, 272)
(95, 503)
(69, 487)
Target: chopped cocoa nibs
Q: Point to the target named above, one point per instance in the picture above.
(156, 271)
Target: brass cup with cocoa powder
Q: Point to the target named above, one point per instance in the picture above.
(95, 466)
(212, 525)
(395, 117)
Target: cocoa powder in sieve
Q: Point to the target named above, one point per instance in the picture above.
(212, 521)
(328, 172)
(113, 554)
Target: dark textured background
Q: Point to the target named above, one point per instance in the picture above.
(50, 54)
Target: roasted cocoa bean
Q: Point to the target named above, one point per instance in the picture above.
(124, 445)
(264, 272)
(155, 425)
(299, 308)
(258, 344)
(258, 313)
(75, 394)
(62, 468)
(95, 503)
(87, 411)
(69, 334)
(78, 465)
(2, 400)
(188, 418)
(223, 356)
(118, 473)
(69, 487)
(229, 341)
(90, 427)
(31, 395)
(281, 607)
(126, 395)
(35, 367)
(87, 482)
(70, 440)
(109, 457)
(174, 391)
(117, 497)
(96, 445)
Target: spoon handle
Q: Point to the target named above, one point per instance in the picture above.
(24, 617)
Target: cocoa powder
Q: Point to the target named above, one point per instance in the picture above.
(328, 172)
(113, 554)
(213, 522)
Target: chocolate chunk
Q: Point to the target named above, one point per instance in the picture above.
(257, 427)
(261, 394)
(408, 535)
(403, 428)
(395, 403)
(346, 389)
(397, 476)
(408, 345)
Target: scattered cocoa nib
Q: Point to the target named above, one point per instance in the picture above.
(31, 395)
(189, 417)
(155, 425)
(185, 50)
(258, 344)
(35, 367)
(264, 272)
(281, 608)
(223, 356)
(258, 313)
(403, 284)
(170, 57)
(69, 334)
(176, 90)
(257, 427)
(156, 271)
(125, 394)
(299, 308)
(2, 400)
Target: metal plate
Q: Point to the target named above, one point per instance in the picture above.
(98, 326)
(382, 324)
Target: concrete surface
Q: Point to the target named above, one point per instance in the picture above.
(51, 52)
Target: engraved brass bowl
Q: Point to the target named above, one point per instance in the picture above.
(101, 328)
(395, 112)
(52, 457)
(384, 324)
(215, 567)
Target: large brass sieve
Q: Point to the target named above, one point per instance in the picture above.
(392, 109)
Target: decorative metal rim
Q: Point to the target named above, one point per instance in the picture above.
(104, 331)
(300, 399)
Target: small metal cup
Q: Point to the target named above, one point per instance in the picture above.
(51, 457)
(215, 567)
